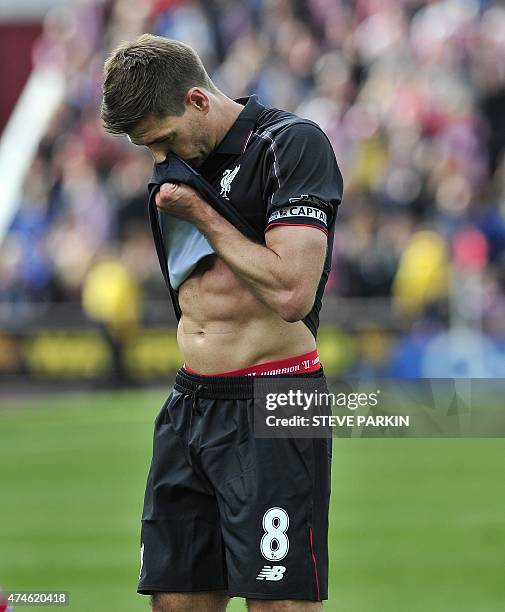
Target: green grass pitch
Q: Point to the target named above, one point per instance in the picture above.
(416, 525)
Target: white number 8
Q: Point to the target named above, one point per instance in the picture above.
(275, 543)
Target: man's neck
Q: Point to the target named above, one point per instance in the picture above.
(226, 113)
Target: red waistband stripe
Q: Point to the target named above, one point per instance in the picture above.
(308, 362)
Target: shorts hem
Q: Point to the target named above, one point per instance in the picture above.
(274, 597)
(150, 589)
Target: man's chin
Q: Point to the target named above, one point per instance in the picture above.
(196, 162)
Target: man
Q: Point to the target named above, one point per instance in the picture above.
(226, 513)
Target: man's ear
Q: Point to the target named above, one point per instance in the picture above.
(198, 99)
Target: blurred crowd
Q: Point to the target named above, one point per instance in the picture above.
(411, 94)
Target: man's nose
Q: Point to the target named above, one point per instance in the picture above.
(158, 153)
(158, 156)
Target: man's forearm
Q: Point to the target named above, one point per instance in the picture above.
(283, 274)
(263, 270)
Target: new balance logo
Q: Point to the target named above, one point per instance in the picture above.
(271, 572)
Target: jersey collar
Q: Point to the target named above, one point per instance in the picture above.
(237, 136)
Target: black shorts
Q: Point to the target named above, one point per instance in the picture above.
(225, 510)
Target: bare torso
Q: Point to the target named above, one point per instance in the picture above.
(225, 327)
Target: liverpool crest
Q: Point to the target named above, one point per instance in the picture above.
(227, 179)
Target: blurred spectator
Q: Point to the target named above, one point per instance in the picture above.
(422, 276)
(111, 298)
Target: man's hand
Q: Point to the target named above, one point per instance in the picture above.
(180, 201)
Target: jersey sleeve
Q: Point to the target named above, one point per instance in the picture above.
(303, 184)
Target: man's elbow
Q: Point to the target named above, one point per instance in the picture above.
(295, 305)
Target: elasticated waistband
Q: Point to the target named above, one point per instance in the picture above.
(308, 362)
(226, 387)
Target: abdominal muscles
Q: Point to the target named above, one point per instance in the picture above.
(225, 327)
